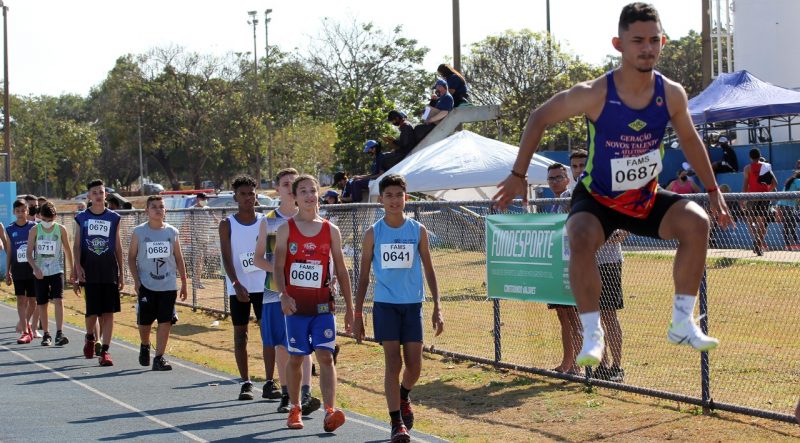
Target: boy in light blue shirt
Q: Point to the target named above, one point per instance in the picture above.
(401, 251)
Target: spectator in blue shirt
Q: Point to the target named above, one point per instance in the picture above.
(341, 181)
(441, 102)
(361, 182)
(455, 84)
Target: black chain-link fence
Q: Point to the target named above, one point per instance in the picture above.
(749, 294)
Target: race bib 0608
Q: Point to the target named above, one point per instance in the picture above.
(397, 256)
(22, 254)
(158, 249)
(305, 275)
(634, 172)
(246, 259)
(46, 247)
(99, 227)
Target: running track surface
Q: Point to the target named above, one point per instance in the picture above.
(55, 394)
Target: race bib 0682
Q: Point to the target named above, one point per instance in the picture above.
(158, 249)
(99, 227)
(397, 256)
(634, 172)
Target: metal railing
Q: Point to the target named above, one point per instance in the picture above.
(748, 294)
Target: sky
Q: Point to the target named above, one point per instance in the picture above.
(57, 47)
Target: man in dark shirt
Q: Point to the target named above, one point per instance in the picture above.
(402, 145)
(361, 182)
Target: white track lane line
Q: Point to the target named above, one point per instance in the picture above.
(155, 420)
(233, 380)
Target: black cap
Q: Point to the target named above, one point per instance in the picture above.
(339, 176)
(393, 114)
(202, 195)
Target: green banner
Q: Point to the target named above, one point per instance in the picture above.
(527, 258)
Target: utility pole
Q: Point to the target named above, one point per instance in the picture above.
(266, 100)
(254, 21)
(6, 111)
(456, 36)
(705, 39)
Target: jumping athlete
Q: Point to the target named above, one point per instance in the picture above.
(305, 246)
(400, 249)
(627, 111)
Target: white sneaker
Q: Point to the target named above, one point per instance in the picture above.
(592, 351)
(689, 333)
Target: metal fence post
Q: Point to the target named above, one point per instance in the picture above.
(498, 354)
(705, 375)
(193, 244)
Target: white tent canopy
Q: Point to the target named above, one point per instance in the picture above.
(464, 166)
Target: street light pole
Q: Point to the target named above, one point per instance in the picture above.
(456, 36)
(6, 113)
(266, 100)
(254, 21)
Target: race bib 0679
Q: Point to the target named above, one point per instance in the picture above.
(99, 227)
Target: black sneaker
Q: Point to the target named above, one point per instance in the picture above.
(247, 391)
(270, 391)
(616, 374)
(61, 340)
(161, 364)
(284, 405)
(601, 373)
(47, 340)
(400, 433)
(309, 404)
(144, 355)
(407, 413)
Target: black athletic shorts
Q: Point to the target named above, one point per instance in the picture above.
(25, 287)
(155, 305)
(758, 208)
(49, 288)
(240, 312)
(101, 298)
(611, 290)
(611, 220)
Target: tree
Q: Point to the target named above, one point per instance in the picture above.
(355, 125)
(359, 58)
(679, 54)
(519, 71)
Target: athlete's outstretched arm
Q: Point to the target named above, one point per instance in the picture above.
(695, 151)
(575, 101)
(363, 283)
(343, 276)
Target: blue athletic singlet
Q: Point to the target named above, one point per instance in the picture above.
(625, 151)
(99, 245)
(18, 239)
(396, 263)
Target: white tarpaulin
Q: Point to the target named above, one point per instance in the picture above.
(464, 166)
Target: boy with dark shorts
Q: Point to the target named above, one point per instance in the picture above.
(98, 267)
(50, 243)
(305, 248)
(155, 260)
(400, 248)
(244, 281)
(19, 271)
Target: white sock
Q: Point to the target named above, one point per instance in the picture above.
(591, 323)
(682, 308)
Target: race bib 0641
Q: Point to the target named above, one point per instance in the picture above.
(397, 256)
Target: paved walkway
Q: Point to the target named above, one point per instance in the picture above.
(55, 394)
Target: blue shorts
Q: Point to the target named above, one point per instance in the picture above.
(273, 325)
(309, 332)
(397, 322)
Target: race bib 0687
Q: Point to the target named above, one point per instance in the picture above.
(634, 172)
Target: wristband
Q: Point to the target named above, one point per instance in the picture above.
(358, 314)
(235, 283)
(518, 175)
(711, 189)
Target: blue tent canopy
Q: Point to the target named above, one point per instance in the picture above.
(739, 96)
